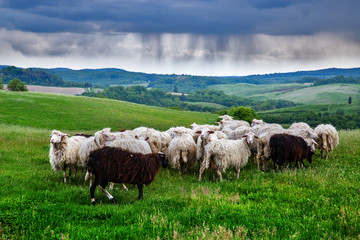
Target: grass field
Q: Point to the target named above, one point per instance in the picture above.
(321, 201)
(323, 94)
(52, 111)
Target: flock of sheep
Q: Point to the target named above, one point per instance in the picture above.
(231, 143)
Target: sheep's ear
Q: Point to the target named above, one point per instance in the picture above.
(244, 136)
(136, 136)
(256, 136)
(211, 132)
(198, 132)
(146, 138)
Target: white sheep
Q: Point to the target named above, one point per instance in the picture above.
(233, 124)
(327, 138)
(64, 151)
(223, 153)
(299, 125)
(182, 151)
(171, 132)
(152, 136)
(255, 122)
(204, 139)
(226, 118)
(197, 127)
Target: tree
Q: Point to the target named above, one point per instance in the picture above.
(1, 85)
(175, 89)
(16, 85)
(244, 113)
(350, 100)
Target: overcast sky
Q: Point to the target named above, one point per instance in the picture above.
(203, 37)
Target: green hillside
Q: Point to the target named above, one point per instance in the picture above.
(298, 93)
(62, 112)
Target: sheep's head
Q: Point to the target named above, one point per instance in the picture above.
(313, 144)
(256, 121)
(57, 136)
(250, 137)
(103, 136)
(311, 133)
(164, 161)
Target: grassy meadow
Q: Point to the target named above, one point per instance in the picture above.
(298, 93)
(320, 201)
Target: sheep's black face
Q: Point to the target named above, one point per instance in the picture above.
(164, 161)
(310, 154)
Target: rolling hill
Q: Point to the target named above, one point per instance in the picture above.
(54, 111)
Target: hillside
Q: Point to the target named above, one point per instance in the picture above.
(53, 111)
(187, 83)
(295, 92)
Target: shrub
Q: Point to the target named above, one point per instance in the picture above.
(16, 85)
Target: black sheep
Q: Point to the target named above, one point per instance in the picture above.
(289, 148)
(110, 164)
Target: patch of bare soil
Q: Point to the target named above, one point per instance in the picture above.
(60, 90)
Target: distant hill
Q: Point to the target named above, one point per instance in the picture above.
(187, 83)
(106, 77)
(42, 78)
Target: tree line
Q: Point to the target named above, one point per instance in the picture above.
(41, 78)
(158, 97)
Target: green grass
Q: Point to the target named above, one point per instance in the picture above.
(323, 94)
(259, 92)
(321, 201)
(78, 113)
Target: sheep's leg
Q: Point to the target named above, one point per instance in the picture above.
(202, 169)
(219, 173)
(69, 174)
(124, 187)
(92, 191)
(140, 187)
(64, 175)
(111, 186)
(110, 197)
(237, 171)
(322, 152)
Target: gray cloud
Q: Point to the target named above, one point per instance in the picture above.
(280, 17)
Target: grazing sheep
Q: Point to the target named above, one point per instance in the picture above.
(308, 134)
(64, 151)
(171, 132)
(197, 127)
(287, 148)
(182, 151)
(255, 122)
(204, 139)
(233, 124)
(117, 165)
(131, 144)
(263, 148)
(327, 138)
(223, 153)
(299, 125)
(152, 136)
(92, 143)
(226, 118)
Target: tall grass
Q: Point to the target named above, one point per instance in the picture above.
(318, 202)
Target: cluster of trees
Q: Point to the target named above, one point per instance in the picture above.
(36, 77)
(158, 97)
(340, 120)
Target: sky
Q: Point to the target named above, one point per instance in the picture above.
(198, 37)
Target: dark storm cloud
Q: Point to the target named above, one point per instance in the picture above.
(279, 17)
